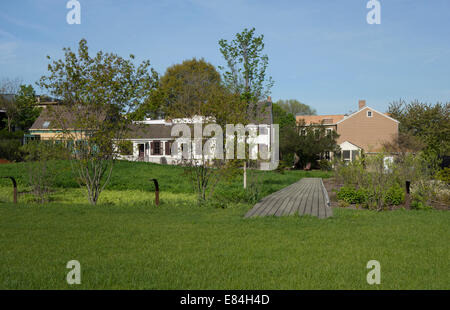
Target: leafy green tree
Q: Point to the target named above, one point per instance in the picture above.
(245, 75)
(282, 117)
(98, 93)
(287, 123)
(309, 142)
(191, 88)
(195, 88)
(295, 107)
(429, 123)
(27, 112)
(246, 66)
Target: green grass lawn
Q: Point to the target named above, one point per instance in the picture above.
(126, 242)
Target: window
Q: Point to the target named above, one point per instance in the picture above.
(369, 113)
(327, 155)
(263, 130)
(329, 131)
(156, 148)
(346, 155)
(168, 147)
(46, 124)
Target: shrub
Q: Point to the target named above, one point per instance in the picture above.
(352, 195)
(395, 195)
(382, 180)
(10, 149)
(325, 165)
(40, 157)
(444, 175)
(419, 205)
(343, 204)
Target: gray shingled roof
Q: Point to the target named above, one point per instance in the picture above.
(137, 131)
(47, 115)
(150, 131)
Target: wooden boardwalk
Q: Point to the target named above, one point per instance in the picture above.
(307, 196)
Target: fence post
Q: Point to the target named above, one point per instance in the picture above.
(407, 198)
(156, 191)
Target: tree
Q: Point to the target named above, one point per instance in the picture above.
(430, 124)
(246, 66)
(245, 76)
(98, 92)
(194, 88)
(189, 89)
(27, 112)
(287, 123)
(309, 142)
(295, 107)
(8, 90)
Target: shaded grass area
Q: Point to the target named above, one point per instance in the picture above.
(133, 178)
(178, 246)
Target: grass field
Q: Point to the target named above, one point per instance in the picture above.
(126, 242)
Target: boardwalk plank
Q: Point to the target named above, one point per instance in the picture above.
(295, 201)
(314, 201)
(279, 200)
(306, 196)
(322, 204)
(307, 201)
(302, 204)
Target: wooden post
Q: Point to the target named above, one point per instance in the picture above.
(407, 197)
(245, 175)
(156, 192)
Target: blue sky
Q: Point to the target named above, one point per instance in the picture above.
(321, 52)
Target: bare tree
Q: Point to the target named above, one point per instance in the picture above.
(8, 90)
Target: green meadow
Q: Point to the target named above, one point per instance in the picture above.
(126, 242)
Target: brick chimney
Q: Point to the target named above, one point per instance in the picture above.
(361, 104)
(269, 99)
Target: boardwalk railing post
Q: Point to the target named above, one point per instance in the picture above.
(14, 186)
(156, 191)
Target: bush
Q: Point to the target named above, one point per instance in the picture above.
(419, 205)
(394, 195)
(40, 157)
(444, 175)
(10, 149)
(325, 165)
(383, 182)
(352, 195)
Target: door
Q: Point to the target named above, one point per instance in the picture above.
(141, 151)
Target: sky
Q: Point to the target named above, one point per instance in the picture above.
(321, 52)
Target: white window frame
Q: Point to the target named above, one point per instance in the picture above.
(369, 113)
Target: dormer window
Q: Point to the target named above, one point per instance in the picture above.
(369, 113)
